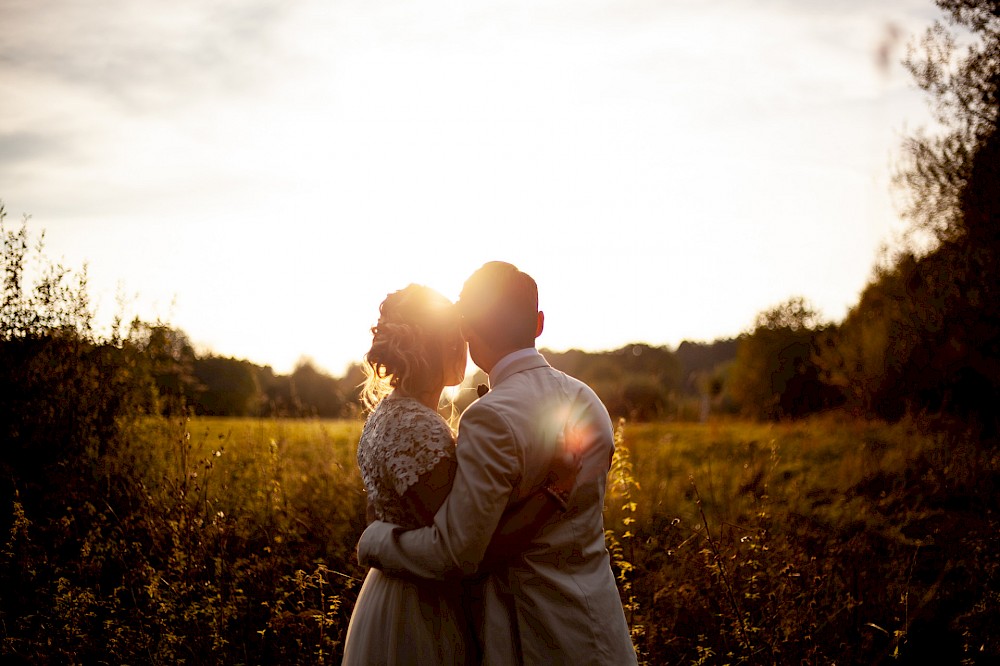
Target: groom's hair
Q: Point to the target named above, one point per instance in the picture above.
(500, 303)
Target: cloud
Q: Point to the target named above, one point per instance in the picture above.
(26, 146)
(141, 52)
(143, 55)
(264, 143)
(110, 104)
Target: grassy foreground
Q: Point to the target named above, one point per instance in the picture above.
(823, 541)
(816, 542)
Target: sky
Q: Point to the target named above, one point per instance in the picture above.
(261, 173)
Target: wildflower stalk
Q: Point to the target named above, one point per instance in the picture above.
(721, 566)
(623, 483)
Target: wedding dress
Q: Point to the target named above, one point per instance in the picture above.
(397, 621)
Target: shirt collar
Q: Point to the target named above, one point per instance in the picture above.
(510, 358)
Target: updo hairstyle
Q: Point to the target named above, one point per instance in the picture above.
(415, 327)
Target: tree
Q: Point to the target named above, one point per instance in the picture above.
(937, 168)
(57, 301)
(925, 335)
(951, 178)
(66, 396)
(315, 393)
(855, 356)
(169, 358)
(227, 387)
(775, 375)
(637, 381)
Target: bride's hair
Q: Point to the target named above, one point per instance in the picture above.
(415, 326)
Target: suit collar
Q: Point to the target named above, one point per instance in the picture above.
(519, 361)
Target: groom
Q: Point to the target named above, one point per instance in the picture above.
(557, 602)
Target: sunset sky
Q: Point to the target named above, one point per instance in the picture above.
(261, 173)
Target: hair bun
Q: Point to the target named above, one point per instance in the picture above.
(407, 341)
(392, 343)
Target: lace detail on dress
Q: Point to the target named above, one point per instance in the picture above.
(401, 440)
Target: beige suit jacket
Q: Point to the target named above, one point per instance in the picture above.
(557, 603)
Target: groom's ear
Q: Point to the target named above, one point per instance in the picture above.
(541, 323)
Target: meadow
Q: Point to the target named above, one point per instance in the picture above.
(820, 541)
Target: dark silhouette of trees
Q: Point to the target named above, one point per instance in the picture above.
(775, 374)
(704, 358)
(227, 387)
(925, 334)
(937, 168)
(861, 357)
(169, 358)
(315, 393)
(66, 396)
(637, 381)
(706, 368)
(237, 387)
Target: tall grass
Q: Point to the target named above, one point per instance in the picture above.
(126, 537)
(817, 542)
(232, 542)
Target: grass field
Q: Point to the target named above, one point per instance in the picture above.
(816, 542)
(824, 541)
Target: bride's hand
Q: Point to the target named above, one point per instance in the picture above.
(566, 464)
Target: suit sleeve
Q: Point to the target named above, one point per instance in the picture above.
(453, 546)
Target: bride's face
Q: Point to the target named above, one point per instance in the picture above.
(456, 354)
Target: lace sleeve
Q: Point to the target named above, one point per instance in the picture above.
(421, 441)
(402, 440)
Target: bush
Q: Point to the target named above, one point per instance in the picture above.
(125, 541)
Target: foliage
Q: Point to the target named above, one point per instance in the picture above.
(56, 302)
(707, 370)
(169, 358)
(227, 387)
(775, 374)
(320, 392)
(126, 540)
(223, 549)
(63, 394)
(807, 542)
(963, 90)
(924, 338)
(815, 541)
(702, 357)
(621, 535)
(925, 335)
(237, 387)
(915, 344)
(638, 381)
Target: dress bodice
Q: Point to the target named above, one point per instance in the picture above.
(401, 440)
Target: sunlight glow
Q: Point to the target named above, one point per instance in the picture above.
(664, 171)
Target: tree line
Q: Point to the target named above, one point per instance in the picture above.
(638, 381)
(213, 385)
(924, 336)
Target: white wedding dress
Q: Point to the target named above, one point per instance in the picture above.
(397, 621)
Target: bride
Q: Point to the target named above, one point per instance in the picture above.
(407, 459)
